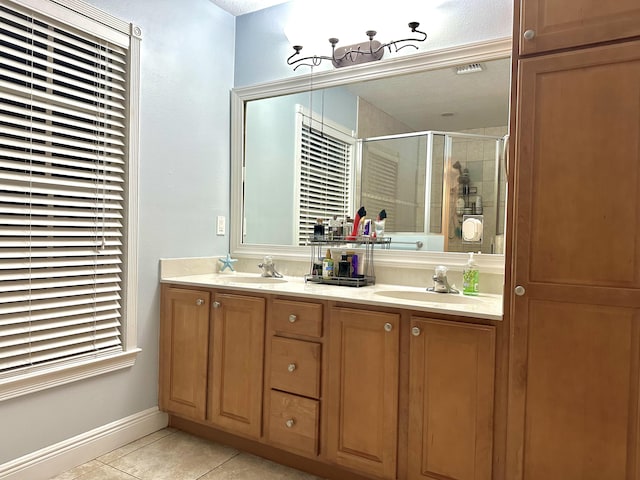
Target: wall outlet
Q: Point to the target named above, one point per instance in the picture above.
(221, 225)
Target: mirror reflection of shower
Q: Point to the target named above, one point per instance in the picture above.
(446, 189)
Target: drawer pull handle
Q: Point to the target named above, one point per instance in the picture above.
(216, 304)
(199, 302)
(388, 327)
(292, 318)
(290, 423)
(415, 331)
(291, 367)
(529, 34)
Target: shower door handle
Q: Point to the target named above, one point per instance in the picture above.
(505, 154)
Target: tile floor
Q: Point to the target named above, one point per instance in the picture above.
(170, 454)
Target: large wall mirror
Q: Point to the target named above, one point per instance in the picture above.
(414, 136)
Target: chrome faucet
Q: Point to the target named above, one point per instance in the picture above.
(440, 282)
(269, 268)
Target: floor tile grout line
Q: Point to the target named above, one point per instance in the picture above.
(126, 473)
(134, 450)
(238, 452)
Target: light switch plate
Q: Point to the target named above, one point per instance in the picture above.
(220, 225)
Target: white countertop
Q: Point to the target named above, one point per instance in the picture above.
(486, 306)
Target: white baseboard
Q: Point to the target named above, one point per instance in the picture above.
(55, 459)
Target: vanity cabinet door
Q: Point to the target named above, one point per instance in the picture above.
(363, 390)
(237, 355)
(184, 341)
(451, 381)
(554, 24)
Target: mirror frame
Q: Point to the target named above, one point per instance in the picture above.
(419, 62)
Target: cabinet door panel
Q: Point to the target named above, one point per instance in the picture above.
(452, 367)
(363, 390)
(578, 208)
(581, 386)
(184, 351)
(236, 364)
(561, 24)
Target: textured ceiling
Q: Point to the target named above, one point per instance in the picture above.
(419, 100)
(240, 7)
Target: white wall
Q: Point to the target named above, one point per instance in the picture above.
(187, 71)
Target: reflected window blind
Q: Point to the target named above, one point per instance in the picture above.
(325, 180)
(62, 171)
(380, 181)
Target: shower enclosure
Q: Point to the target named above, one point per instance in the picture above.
(442, 191)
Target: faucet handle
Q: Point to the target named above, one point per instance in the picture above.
(440, 272)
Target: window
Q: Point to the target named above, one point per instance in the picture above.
(68, 200)
(324, 164)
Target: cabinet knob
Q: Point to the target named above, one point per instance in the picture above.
(290, 423)
(388, 327)
(292, 367)
(529, 34)
(415, 331)
(519, 290)
(199, 302)
(216, 304)
(292, 318)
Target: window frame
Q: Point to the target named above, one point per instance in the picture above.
(82, 16)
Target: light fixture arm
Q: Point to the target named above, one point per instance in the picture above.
(358, 53)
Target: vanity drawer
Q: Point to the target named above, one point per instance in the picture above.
(299, 318)
(295, 366)
(293, 422)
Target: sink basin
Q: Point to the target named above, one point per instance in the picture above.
(430, 297)
(249, 279)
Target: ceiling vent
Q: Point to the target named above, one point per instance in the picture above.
(470, 68)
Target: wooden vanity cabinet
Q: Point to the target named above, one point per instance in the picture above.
(362, 414)
(211, 358)
(184, 350)
(360, 392)
(236, 363)
(554, 24)
(451, 400)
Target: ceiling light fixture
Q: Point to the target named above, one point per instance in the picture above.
(367, 51)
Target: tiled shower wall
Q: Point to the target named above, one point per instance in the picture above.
(479, 156)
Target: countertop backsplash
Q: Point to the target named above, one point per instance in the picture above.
(491, 283)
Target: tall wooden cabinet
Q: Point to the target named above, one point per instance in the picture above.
(574, 372)
(362, 431)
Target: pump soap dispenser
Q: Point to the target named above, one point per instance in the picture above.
(470, 277)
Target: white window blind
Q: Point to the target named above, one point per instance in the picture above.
(324, 173)
(63, 166)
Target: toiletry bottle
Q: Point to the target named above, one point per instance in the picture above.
(354, 266)
(318, 230)
(470, 277)
(344, 266)
(327, 265)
